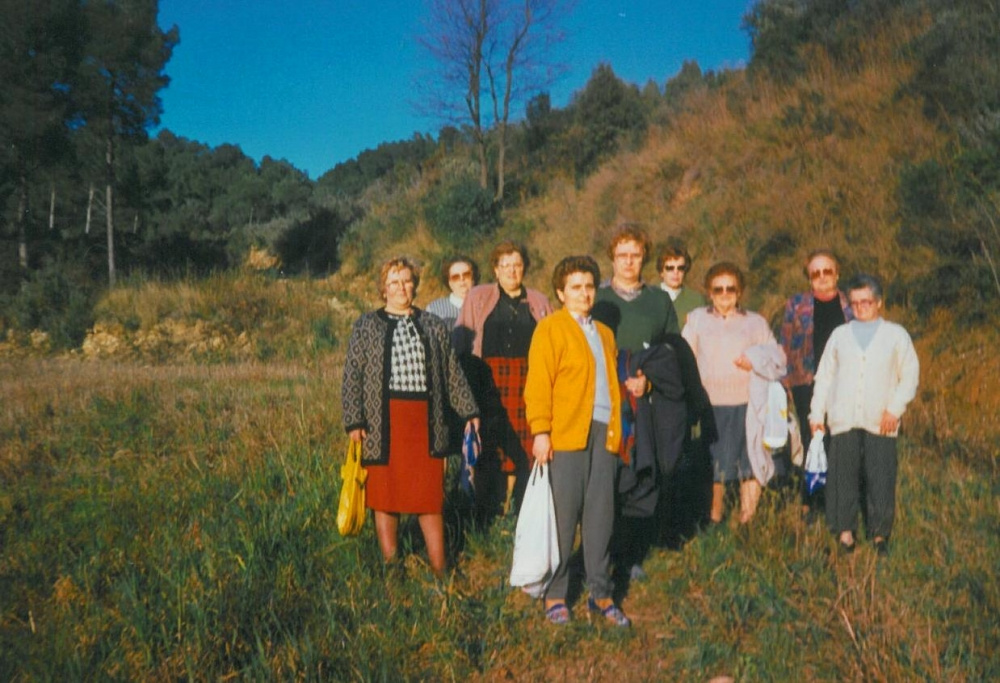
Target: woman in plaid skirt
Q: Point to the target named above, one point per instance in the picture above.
(495, 324)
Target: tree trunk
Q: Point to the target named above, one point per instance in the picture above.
(484, 175)
(502, 114)
(481, 27)
(52, 208)
(22, 222)
(109, 160)
(501, 154)
(90, 209)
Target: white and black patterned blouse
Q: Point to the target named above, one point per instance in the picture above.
(407, 370)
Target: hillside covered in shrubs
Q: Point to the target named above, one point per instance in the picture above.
(872, 127)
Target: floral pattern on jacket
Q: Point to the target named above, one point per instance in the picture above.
(796, 337)
(364, 393)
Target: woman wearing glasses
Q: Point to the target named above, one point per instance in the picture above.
(721, 334)
(496, 323)
(866, 378)
(809, 320)
(459, 274)
(673, 265)
(400, 379)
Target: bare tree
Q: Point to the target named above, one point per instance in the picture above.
(489, 49)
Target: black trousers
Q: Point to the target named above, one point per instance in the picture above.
(853, 455)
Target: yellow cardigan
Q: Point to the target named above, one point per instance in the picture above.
(559, 392)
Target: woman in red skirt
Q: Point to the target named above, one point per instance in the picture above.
(400, 379)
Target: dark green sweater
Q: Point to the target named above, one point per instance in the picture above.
(647, 319)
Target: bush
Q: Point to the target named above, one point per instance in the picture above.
(607, 112)
(56, 299)
(462, 213)
(312, 245)
(967, 289)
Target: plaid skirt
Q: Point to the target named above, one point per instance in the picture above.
(512, 440)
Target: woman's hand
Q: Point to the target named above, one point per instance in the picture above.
(889, 424)
(358, 434)
(542, 449)
(743, 363)
(817, 427)
(475, 424)
(637, 385)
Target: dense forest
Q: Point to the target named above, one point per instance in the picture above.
(86, 196)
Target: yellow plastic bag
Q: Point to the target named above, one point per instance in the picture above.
(351, 510)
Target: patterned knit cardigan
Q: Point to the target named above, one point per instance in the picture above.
(365, 395)
(796, 337)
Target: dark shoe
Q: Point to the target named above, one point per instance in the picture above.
(812, 516)
(882, 547)
(558, 614)
(611, 613)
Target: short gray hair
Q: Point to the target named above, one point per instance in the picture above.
(866, 281)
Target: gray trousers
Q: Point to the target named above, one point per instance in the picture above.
(853, 454)
(583, 491)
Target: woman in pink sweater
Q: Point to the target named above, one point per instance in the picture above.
(719, 335)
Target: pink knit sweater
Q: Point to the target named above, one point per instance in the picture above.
(717, 342)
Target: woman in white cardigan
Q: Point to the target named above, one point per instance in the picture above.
(866, 378)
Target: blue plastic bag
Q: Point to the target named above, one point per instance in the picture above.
(471, 447)
(816, 464)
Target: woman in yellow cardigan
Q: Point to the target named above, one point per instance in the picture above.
(572, 403)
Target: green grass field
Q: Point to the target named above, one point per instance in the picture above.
(177, 522)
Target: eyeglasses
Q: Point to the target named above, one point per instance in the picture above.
(510, 266)
(455, 277)
(671, 269)
(628, 256)
(862, 303)
(822, 272)
(728, 289)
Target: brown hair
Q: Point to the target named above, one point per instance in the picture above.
(629, 232)
(509, 247)
(398, 263)
(724, 268)
(460, 258)
(673, 249)
(574, 264)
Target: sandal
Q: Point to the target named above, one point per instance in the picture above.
(611, 613)
(558, 614)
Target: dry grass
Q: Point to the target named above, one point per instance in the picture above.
(177, 521)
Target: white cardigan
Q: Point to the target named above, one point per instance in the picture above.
(854, 386)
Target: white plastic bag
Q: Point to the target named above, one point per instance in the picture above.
(816, 463)
(776, 421)
(536, 541)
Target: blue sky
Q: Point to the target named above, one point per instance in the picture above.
(316, 82)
